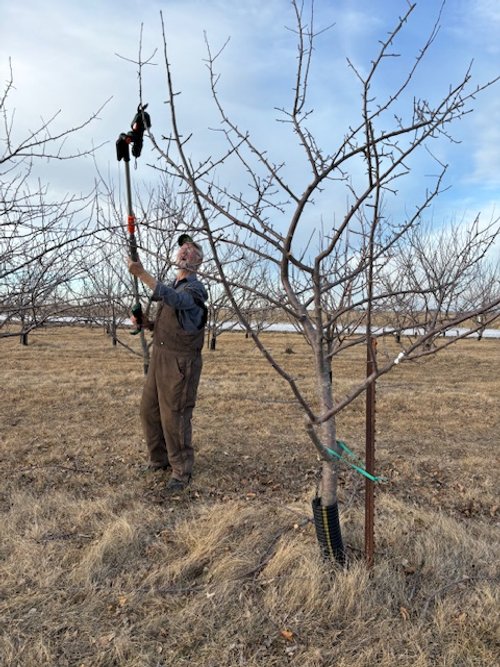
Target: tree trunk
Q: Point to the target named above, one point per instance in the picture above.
(113, 325)
(325, 508)
(328, 485)
(329, 473)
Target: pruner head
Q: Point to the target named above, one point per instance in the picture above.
(141, 120)
(140, 123)
(122, 147)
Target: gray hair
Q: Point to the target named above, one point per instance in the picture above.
(199, 252)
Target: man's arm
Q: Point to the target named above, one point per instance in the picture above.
(137, 269)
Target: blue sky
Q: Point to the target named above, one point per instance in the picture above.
(63, 56)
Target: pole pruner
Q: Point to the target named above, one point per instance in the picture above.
(134, 137)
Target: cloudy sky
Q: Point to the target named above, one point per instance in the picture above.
(65, 55)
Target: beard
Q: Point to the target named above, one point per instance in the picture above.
(186, 265)
(188, 259)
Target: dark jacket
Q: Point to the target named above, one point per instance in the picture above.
(187, 297)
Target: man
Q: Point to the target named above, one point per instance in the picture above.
(169, 394)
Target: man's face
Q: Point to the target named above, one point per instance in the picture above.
(187, 257)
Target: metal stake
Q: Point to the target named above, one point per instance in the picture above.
(371, 352)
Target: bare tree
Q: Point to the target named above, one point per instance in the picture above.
(435, 271)
(250, 288)
(220, 316)
(40, 235)
(329, 285)
(481, 295)
(42, 260)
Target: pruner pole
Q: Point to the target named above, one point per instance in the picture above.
(134, 137)
(132, 241)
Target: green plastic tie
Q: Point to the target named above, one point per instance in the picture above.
(358, 468)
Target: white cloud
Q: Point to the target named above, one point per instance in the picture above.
(64, 57)
(486, 156)
(488, 11)
(477, 22)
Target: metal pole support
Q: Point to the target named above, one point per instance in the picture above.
(371, 353)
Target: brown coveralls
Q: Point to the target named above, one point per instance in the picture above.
(169, 394)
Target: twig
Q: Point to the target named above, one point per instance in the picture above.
(53, 465)
(430, 599)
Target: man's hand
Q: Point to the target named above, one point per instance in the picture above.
(146, 323)
(135, 268)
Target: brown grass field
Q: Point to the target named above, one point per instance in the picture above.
(99, 568)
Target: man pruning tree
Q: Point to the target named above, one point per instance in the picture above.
(169, 393)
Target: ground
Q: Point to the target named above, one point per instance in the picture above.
(100, 567)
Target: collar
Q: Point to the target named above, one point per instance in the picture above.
(189, 279)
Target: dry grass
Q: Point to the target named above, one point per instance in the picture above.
(99, 568)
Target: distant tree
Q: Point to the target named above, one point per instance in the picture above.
(439, 276)
(38, 292)
(105, 287)
(40, 236)
(259, 298)
(221, 316)
(249, 282)
(331, 286)
(482, 296)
